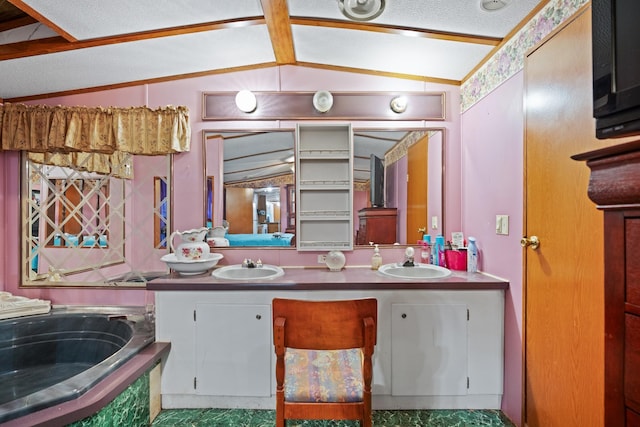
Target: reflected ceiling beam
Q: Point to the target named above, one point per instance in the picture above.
(259, 153)
(276, 14)
(397, 30)
(59, 44)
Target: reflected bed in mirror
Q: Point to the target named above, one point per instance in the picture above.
(251, 199)
(249, 182)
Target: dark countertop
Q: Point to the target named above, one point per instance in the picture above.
(314, 278)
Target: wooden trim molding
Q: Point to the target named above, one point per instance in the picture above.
(615, 172)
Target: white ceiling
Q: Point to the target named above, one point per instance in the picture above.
(84, 44)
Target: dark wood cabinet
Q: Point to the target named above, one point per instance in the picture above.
(614, 186)
(377, 225)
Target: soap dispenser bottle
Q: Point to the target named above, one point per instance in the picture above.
(376, 259)
(425, 253)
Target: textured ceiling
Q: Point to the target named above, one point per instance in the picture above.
(50, 47)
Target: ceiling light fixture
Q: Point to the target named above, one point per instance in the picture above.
(398, 104)
(246, 101)
(493, 5)
(322, 101)
(361, 10)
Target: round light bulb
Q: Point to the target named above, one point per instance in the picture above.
(246, 101)
(399, 104)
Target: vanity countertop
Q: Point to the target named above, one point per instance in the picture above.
(314, 278)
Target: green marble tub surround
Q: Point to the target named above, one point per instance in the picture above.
(267, 418)
(130, 408)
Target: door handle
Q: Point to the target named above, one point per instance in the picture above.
(532, 241)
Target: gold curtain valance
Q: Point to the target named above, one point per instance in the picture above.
(106, 131)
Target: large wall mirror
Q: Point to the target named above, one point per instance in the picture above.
(95, 229)
(249, 182)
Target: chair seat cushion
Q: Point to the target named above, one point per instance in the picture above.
(323, 375)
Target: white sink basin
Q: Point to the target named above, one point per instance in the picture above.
(418, 271)
(238, 272)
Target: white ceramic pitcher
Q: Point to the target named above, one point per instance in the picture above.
(193, 246)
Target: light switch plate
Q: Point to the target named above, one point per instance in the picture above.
(502, 224)
(434, 222)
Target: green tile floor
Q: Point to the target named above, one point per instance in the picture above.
(265, 418)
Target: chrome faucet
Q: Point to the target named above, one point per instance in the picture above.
(409, 257)
(249, 263)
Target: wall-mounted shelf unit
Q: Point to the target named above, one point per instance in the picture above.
(324, 186)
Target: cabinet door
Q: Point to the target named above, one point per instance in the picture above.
(233, 350)
(428, 349)
(324, 186)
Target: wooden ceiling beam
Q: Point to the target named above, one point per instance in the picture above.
(42, 19)
(59, 44)
(276, 14)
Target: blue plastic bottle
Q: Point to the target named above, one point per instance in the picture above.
(472, 255)
(438, 256)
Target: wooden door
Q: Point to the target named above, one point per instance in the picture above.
(563, 278)
(417, 189)
(71, 222)
(239, 210)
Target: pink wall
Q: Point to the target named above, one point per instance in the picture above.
(492, 183)
(492, 131)
(188, 196)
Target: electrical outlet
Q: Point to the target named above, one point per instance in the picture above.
(322, 259)
(434, 222)
(502, 224)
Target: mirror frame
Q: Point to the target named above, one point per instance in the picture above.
(120, 274)
(220, 198)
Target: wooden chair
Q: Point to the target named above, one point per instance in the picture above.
(323, 364)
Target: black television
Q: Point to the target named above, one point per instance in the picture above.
(376, 182)
(616, 67)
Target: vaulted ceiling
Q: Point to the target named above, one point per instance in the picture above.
(66, 46)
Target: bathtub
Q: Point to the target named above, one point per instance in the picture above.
(49, 359)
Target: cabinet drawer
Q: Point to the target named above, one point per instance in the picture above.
(632, 359)
(632, 260)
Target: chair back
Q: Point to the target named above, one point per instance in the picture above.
(326, 325)
(315, 326)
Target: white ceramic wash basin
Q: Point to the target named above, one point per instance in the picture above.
(238, 272)
(418, 271)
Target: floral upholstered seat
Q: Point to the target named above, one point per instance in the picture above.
(324, 365)
(323, 375)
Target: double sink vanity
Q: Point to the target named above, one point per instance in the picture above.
(439, 332)
(440, 339)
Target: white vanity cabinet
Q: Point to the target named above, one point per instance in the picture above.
(221, 348)
(429, 355)
(435, 348)
(233, 349)
(324, 186)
